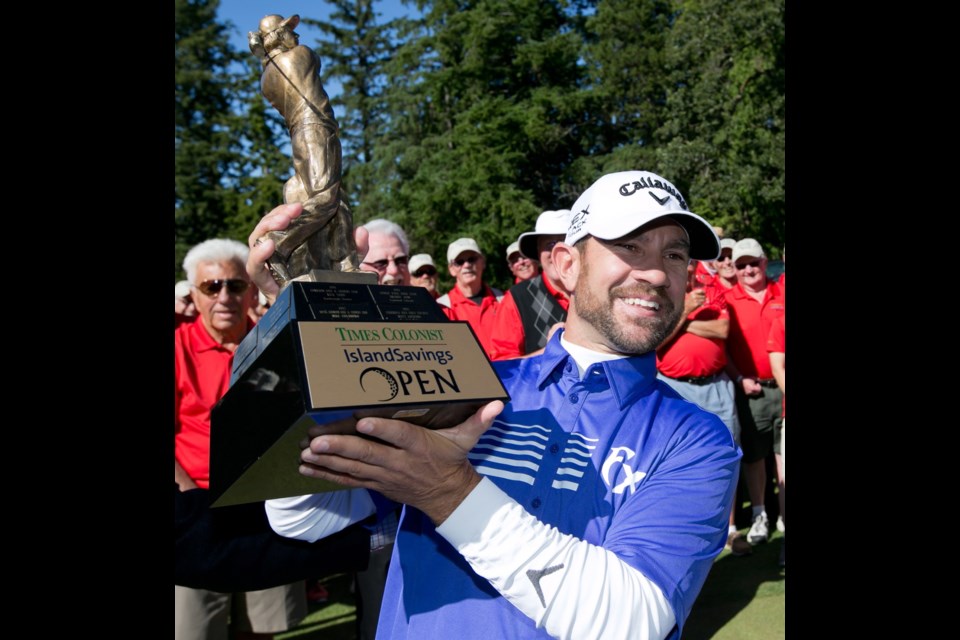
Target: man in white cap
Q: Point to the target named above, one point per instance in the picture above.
(723, 266)
(423, 273)
(522, 267)
(754, 303)
(529, 310)
(184, 306)
(471, 299)
(597, 488)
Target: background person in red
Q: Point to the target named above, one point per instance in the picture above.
(522, 267)
(532, 308)
(471, 299)
(203, 350)
(692, 361)
(726, 272)
(753, 304)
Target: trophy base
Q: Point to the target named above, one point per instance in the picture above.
(330, 353)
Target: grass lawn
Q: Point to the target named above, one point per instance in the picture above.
(743, 599)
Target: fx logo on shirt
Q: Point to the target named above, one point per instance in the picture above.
(621, 455)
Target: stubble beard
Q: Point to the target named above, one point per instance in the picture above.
(625, 338)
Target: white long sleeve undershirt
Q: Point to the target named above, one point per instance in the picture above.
(315, 516)
(585, 591)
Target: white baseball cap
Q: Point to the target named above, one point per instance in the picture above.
(747, 247)
(727, 243)
(621, 202)
(460, 245)
(420, 260)
(550, 223)
(181, 289)
(512, 249)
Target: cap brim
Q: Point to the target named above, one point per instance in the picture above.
(528, 244)
(704, 244)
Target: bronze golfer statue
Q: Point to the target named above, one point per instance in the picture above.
(321, 238)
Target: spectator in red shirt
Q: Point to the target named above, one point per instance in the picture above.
(754, 303)
(531, 309)
(471, 299)
(204, 346)
(521, 266)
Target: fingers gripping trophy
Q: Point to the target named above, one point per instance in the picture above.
(322, 237)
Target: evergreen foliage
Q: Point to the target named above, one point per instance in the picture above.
(470, 117)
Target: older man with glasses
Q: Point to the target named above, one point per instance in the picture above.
(471, 299)
(203, 350)
(389, 253)
(754, 303)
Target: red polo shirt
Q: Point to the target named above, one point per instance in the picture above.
(690, 355)
(750, 323)
(479, 316)
(201, 376)
(777, 343)
(508, 335)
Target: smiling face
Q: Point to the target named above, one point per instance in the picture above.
(521, 266)
(628, 292)
(724, 265)
(223, 314)
(752, 272)
(469, 273)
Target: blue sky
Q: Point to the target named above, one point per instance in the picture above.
(245, 15)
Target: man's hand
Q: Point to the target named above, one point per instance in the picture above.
(424, 468)
(693, 301)
(262, 247)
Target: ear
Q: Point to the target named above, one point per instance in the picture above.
(566, 259)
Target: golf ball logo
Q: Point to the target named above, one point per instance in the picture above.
(380, 383)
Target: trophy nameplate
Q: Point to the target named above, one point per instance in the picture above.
(338, 351)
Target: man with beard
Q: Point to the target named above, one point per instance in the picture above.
(594, 504)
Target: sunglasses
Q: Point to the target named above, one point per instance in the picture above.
(235, 286)
(429, 271)
(515, 258)
(461, 261)
(724, 258)
(381, 265)
(754, 264)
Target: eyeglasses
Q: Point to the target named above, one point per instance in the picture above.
(428, 271)
(754, 264)
(460, 261)
(235, 286)
(515, 258)
(725, 258)
(381, 265)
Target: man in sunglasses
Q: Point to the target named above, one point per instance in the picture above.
(723, 266)
(471, 299)
(204, 347)
(754, 303)
(530, 309)
(423, 273)
(593, 503)
(522, 267)
(389, 253)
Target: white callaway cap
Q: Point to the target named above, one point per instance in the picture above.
(619, 203)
